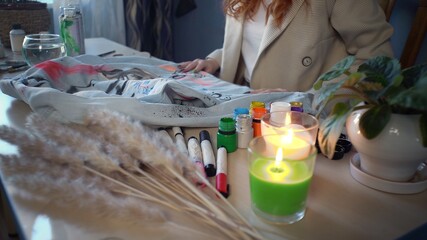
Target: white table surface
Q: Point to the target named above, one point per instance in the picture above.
(338, 206)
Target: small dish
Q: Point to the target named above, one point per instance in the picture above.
(416, 185)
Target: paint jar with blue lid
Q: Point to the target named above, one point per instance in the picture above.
(238, 111)
(226, 136)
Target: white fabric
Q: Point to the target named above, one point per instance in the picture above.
(147, 89)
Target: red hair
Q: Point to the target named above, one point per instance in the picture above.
(248, 8)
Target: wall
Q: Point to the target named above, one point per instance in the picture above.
(201, 31)
(401, 19)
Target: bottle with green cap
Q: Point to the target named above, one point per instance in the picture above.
(226, 136)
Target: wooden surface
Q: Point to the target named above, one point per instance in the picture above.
(338, 207)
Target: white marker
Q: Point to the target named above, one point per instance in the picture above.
(163, 132)
(180, 140)
(208, 155)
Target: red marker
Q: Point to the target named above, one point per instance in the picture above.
(221, 172)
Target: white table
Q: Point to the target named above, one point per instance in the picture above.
(338, 206)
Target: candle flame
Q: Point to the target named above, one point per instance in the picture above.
(279, 157)
(287, 138)
(288, 119)
(281, 170)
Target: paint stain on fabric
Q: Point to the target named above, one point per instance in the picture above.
(56, 70)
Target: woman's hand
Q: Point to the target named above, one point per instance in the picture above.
(208, 65)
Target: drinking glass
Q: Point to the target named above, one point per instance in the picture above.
(303, 125)
(38, 48)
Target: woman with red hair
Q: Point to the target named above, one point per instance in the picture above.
(287, 44)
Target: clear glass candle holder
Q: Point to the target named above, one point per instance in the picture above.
(38, 48)
(280, 174)
(303, 125)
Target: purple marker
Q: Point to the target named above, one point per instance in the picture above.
(195, 154)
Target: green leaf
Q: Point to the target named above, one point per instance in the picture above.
(327, 92)
(414, 98)
(423, 128)
(353, 79)
(337, 70)
(415, 75)
(383, 72)
(373, 121)
(331, 128)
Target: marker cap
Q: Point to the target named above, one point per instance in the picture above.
(177, 130)
(204, 135)
(210, 170)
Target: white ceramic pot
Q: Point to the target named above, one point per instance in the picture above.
(395, 153)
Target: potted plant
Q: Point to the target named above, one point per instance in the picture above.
(384, 110)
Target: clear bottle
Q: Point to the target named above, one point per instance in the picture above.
(17, 35)
(71, 28)
(244, 130)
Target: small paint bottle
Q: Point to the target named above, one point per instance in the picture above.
(297, 106)
(257, 114)
(244, 130)
(226, 136)
(280, 107)
(238, 111)
(255, 104)
(296, 117)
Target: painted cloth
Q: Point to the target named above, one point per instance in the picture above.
(147, 89)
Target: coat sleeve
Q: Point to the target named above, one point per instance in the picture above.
(217, 55)
(363, 27)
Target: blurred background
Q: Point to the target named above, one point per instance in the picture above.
(181, 30)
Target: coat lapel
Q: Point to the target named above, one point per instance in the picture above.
(272, 31)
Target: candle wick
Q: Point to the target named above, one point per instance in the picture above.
(276, 169)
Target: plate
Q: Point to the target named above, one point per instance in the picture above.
(416, 185)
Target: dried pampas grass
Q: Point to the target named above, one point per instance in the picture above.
(112, 163)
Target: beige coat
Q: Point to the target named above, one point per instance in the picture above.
(310, 40)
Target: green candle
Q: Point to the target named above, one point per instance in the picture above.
(279, 189)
